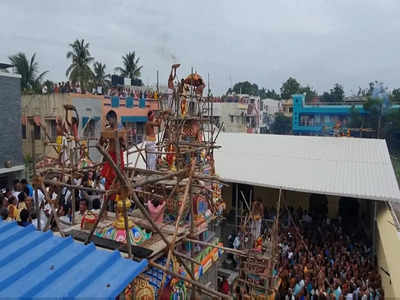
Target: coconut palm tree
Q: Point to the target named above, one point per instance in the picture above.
(100, 77)
(79, 70)
(28, 69)
(131, 68)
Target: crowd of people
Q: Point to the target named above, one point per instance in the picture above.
(20, 202)
(120, 91)
(61, 88)
(133, 92)
(324, 259)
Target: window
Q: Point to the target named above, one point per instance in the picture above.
(36, 132)
(52, 129)
(231, 118)
(290, 109)
(24, 131)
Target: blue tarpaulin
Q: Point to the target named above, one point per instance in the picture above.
(36, 264)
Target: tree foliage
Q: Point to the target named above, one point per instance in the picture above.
(252, 89)
(355, 118)
(336, 94)
(50, 86)
(31, 80)
(368, 91)
(244, 87)
(100, 77)
(395, 95)
(281, 124)
(309, 92)
(130, 68)
(290, 87)
(79, 70)
(270, 93)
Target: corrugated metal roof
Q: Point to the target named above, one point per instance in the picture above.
(352, 167)
(35, 264)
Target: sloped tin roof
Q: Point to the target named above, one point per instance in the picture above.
(37, 264)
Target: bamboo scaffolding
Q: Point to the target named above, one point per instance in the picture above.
(191, 281)
(136, 180)
(178, 220)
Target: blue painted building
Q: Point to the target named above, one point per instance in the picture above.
(316, 119)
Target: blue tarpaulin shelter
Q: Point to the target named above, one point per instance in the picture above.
(36, 264)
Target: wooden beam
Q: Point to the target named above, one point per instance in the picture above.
(234, 251)
(53, 209)
(78, 187)
(178, 220)
(191, 281)
(155, 180)
(139, 204)
(186, 257)
(127, 236)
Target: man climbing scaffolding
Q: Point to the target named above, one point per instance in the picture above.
(170, 92)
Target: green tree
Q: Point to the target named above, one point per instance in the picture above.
(272, 94)
(290, 87)
(395, 96)
(326, 97)
(31, 80)
(355, 118)
(50, 86)
(368, 91)
(337, 93)
(374, 117)
(79, 70)
(281, 124)
(245, 87)
(391, 129)
(130, 68)
(309, 92)
(100, 77)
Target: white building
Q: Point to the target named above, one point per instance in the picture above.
(268, 109)
(241, 113)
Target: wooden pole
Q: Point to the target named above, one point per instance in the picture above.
(128, 240)
(73, 201)
(178, 220)
(78, 187)
(187, 258)
(102, 210)
(37, 204)
(193, 282)
(54, 212)
(193, 295)
(234, 251)
(139, 204)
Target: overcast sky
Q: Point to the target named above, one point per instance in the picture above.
(319, 42)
